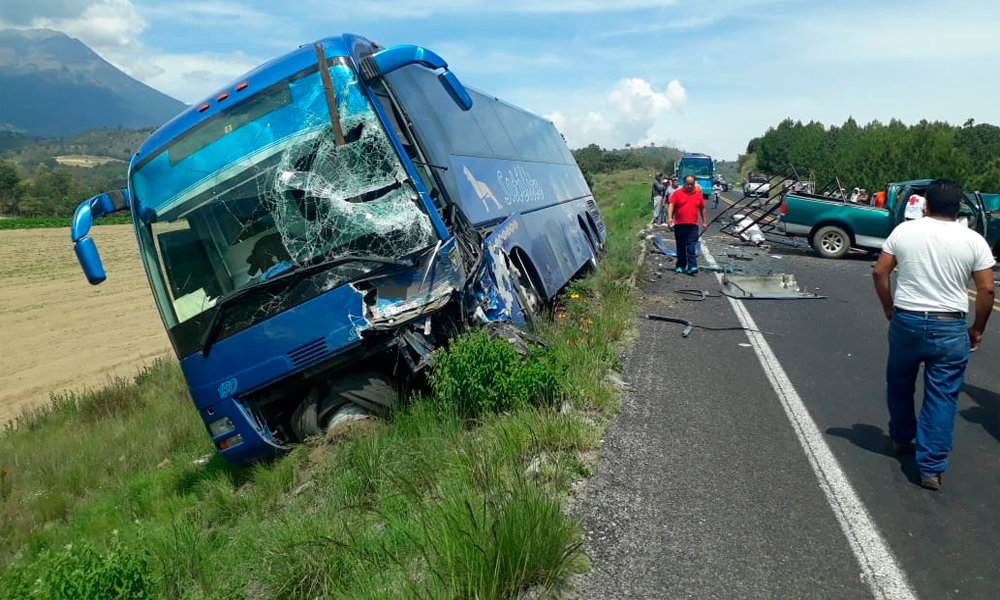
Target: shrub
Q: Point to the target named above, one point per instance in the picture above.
(477, 374)
(79, 571)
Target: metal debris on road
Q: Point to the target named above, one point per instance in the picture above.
(780, 286)
(688, 326)
(697, 295)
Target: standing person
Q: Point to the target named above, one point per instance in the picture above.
(671, 188)
(683, 209)
(936, 256)
(914, 207)
(878, 199)
(716, 190)
(659, 197)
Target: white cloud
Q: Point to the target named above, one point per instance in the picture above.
(628, 116)
(191, 77)
(112, 28)
(105, 23)
(20, 13)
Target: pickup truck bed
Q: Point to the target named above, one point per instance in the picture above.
(833, 226)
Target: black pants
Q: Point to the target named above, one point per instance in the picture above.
(686, 236)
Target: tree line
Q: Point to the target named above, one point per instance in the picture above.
(876, 154)
(46, 192)
(34, 184)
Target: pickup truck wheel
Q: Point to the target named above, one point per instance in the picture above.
(831, 242)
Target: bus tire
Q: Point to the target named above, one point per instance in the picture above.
(591, 265)
(365, 393)
(831, 241)
(530, 301)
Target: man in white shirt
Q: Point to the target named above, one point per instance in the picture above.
(914, 207)
(936, 257)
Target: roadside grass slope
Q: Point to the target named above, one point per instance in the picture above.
(117, 493)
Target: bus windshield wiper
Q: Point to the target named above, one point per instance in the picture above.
(295, 273)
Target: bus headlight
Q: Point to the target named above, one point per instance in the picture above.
(221, 426)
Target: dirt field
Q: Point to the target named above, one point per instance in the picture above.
(85, 161)
(57, 331)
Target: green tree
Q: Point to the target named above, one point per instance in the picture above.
(9, 178)
(877, 153)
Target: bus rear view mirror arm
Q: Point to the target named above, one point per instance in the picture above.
(95, 207)
(390, 59)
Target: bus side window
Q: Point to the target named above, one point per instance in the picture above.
(411, 152)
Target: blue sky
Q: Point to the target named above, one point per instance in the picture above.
(706, 75)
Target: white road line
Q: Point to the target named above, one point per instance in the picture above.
(879, 567)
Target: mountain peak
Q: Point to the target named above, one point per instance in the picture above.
(34, 33)
(55, 85)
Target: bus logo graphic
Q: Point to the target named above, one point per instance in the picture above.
(519, 186)
(227, 388)
(482, 190)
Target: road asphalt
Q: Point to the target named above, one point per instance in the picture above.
(705, 491)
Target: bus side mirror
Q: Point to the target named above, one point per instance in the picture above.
(90, 260)
(456, 90)
(390, 59)
(93, 208)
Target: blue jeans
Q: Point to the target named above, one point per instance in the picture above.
(686, 236)
(942, 345)
(661, 214)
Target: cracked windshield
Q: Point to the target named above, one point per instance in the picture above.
(265, 188)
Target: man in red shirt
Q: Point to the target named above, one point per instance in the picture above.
(686, 205)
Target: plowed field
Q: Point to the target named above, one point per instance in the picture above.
(58, 332)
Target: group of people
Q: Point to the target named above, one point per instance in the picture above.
(663, 189)
(680, 209)
(935, 257)
(935, 254)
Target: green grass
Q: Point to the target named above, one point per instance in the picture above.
(55, 222)
(118, 493)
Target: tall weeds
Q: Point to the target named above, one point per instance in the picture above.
(118, 493)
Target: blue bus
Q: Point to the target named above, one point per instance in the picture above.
(701, 166)
(315, 229)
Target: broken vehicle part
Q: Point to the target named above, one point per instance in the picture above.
(688, 326)
(780, 286)
(697, 295)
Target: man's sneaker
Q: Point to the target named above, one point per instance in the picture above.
(693, 271)
(679, 270)
(901, 449)
(932, 482)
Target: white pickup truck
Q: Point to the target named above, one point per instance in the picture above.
(756, 185)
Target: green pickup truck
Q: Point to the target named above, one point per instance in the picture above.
(834, 226)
